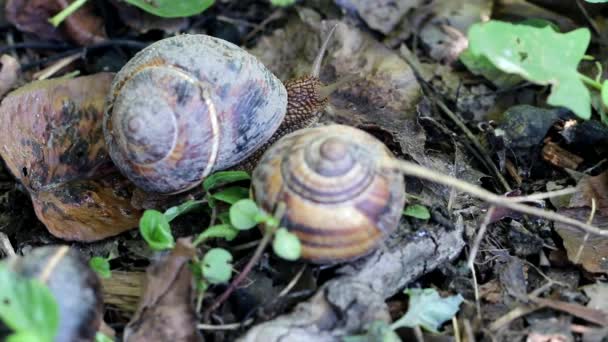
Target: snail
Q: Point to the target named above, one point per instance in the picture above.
(339, 198)
(73, 284)
(189, 105)
(51, 139)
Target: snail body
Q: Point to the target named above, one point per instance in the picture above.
(190, 105)
(339, 200)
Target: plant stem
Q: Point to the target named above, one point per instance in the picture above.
(233, 285)
(66, 12)
(421, 172)
(590, 82)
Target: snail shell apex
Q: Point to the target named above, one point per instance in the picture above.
(339, 201)
(186, 106)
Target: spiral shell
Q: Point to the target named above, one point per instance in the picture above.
(339, 200)
(186, 106)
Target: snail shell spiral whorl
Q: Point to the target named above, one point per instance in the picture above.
(339, 201)
(186, 106)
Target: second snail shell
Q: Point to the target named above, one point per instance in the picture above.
(340, 201)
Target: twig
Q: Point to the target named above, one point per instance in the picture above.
(543, 195)
(421, 172)
(230, 326)
(6, 246)
(473, 255)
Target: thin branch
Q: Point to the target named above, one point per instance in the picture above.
(421, 172)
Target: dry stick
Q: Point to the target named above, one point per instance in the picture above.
(586, 237)
(414, 170)
(473, 255)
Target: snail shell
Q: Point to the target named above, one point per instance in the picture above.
(74, 285)
(339, 201)
(51, 139)
(186, 106)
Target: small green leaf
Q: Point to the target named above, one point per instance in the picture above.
(217, 266)
(222, 231)
(418, 211)
(286, 245)
(282, 3)
(26, 336)
(243, 214)
(27, 307)
(181, 209)
(172, 8)
(101, 266)
(232, 194)
(597, 1)
(428, 310)
(377, 331)
(224, 177)
(155, 229)
(101, 337)
(539, 55)
(224, 217)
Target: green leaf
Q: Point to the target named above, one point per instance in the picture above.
(222, 231)
(282, 3)
(181, 209)
(155, 229)
(540, 55)
(428, 310)
(25, 336)
(27, 307)
(224, 177)
(286, 245)
(232, 194)
(244, 214)
(224, 217)
(100, 337)
(377, 331)
(101, 266)
(481, 65)
(217, 266)
(172, 8)
(418, 211)
(597, 1)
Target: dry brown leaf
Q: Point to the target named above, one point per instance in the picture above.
(82, 27)
(381, 15)
(9, 73)
(166, 311)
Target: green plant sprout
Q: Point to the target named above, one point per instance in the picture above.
(216, 264)
(426, 309)
(417, 211)
(101, 266)
(282, 3)
(160, 8)
(540, 55)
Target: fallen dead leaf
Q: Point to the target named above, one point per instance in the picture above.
(9, 73)
(381, 15)
(82, 27)
(166, 310)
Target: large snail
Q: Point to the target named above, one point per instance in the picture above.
(340, 199)
(193, 104)
(181, 108)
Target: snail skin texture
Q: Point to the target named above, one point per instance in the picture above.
(186, 106)
(340, 201)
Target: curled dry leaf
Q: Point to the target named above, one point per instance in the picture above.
(75, 286)
(51, 139)
(166, 311)
(590, 251)
(381, 15)
(82, 27)
(9, 73)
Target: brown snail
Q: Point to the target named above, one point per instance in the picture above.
(51, 139)
(339, 198)
(190, 105)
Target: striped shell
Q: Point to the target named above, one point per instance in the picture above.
(339, 201)
(187, 106)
